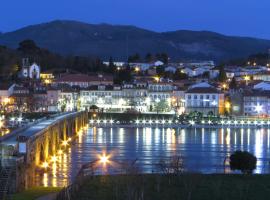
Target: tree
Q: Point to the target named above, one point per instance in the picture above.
(178, 75)
(149, 58)
(233, 84)
(243, 161)
(134, 58)
(222, 77)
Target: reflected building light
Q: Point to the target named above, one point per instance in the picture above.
(183, 136)
(137, 137)
(121, 135)
(157, 136)
(213, 137)
(242, 138)
(248, 136)
(222, 136)
(202, 135)
(45, 180)
(268, 137)
(235, 138)
(228, 137)
(258, 149)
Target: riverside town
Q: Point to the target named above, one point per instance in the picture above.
(117, 112)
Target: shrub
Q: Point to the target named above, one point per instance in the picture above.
(243, 161)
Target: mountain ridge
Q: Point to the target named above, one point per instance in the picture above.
(69, 37)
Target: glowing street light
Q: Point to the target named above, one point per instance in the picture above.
(54, 159)
(45, 165)
(65, 143)
(258, 108)
(60, 152)
(104, 158)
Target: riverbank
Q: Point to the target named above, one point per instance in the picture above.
(107, 124)
(35, 193)
(162, 187)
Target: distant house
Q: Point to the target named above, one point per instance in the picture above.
(204, 98)
(158, 63)
(170, 69)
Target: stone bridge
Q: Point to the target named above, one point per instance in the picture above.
(35, 145)
(39, 147)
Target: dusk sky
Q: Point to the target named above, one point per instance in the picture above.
(232, 17)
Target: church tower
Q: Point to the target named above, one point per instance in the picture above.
(25, 67)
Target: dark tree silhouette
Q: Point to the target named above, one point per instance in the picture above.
(243, 161)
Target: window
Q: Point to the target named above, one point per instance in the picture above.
(195, 96)
(189, 96)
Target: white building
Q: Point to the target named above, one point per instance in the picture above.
(204, 98)
(256, 102)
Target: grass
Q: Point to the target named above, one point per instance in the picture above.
(34, 193)
(183, 187)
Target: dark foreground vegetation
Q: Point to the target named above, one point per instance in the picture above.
(163, 187)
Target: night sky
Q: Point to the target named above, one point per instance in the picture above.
(231, 17)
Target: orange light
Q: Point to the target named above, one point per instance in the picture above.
(104, 158)
(45, 165)
(65, 143)
(60, 152)
(54, 158)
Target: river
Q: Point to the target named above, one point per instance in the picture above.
(202, 150)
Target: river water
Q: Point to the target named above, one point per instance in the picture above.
(202, 150)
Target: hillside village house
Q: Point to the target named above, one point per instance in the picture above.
(256, 102)
(204, 98)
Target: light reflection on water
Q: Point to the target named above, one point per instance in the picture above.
(204, 150)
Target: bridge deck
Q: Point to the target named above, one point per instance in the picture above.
(36, 128)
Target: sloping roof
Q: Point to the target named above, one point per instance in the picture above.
(256, 93)
(205, 90)
(84, 78)
(262, 86)
(201, 85)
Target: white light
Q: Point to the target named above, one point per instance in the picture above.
(192, 122)
(209, 122)
(98, 121)
(150, 121)
(163, 121)
(91, 121)
(170, 121)
(137, 121)
(156, 121)
(203, 121)
(143, 121)
(255, 122)
(242, 122)
(235, 122)
(229, 122)
(258, 108)
(222, 122)
(19, 119)
(111, 121)
(248, 122)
